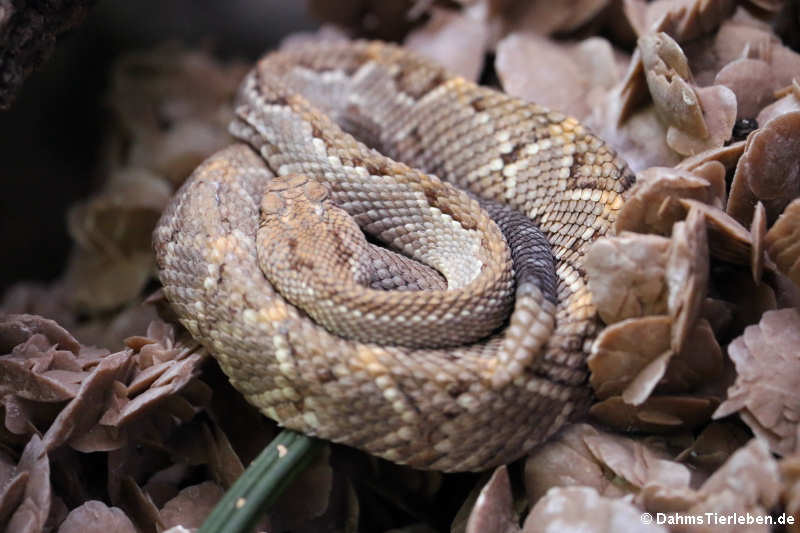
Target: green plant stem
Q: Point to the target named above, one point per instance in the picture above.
(262, 483)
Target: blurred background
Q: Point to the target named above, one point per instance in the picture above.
(51, 137)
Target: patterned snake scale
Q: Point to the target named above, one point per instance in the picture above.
(386, 370)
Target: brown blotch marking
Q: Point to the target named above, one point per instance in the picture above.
(220, 273)
(457, 389)
(513, 155)
(373, 168)
(379, 168)
(414, 135)
(580, 181)
(406, 82)
(324, 375)
(411, 145)
(479, 104)
(628, 178)
(467, 222)
(247, 302)
(413, 139)
(276, 100)
(300, 263)
(434, 82)
(317, 132)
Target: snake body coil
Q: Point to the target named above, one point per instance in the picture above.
(397, 378)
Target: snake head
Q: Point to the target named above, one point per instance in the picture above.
(304, 239)
(288, 197)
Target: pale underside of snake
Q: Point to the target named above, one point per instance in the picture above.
(388, 371)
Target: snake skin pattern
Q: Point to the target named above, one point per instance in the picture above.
(466, 407)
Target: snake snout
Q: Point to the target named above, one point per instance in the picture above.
(286, 194)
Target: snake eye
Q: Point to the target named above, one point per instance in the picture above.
(315, 191)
